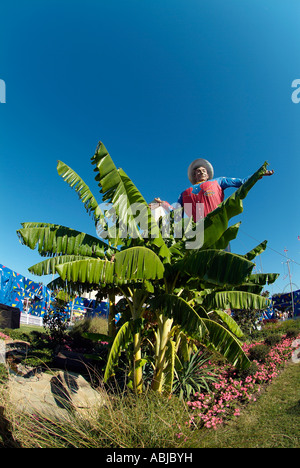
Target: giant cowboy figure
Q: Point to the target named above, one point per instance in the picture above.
(204, 190)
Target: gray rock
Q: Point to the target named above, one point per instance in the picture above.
(54, 395)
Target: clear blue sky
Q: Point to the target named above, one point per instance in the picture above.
(161, 83)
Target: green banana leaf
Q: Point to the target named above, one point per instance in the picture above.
(260, 248)
(223, 342)
(216, 267)
(74, 288)
(123, 337)
(135, 263)
(118, 189)
(256, 282)
(235, 300)
(231, 323)
(226, 237)
(53, 239)
(93, 271)
(47, 267)
(85, 195)
(249, 287)
(263, 278)
(97, 337)
(138, 263)
(216, 222)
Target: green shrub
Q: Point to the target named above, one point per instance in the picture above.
(56, 322)
(272, 340)
(194, 375)
(259, 353)
(292, 333)
(250, 371)
(16, 334)
(3, 374)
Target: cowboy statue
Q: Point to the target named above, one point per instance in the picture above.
(204, 190)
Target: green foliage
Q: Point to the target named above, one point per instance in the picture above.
(85, 195)
(259, 353)
(53, 239)
(247, 320)
(56, 322)
(216, 267)
(273, 339)
(193, 375)
(118, 189)
(17, 334)
(179, 284)
(292, 333)
(291, 328)
(225, 343)
(237, 300)
(3, 374)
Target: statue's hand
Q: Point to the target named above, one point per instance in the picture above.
(268, 173)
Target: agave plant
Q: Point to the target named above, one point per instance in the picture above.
(181, 285)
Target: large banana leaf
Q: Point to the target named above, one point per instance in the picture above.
(216, 222)
(130, 206)
(235, 300)
(249, 287)
(47, 267)
(93, 271)
(138, 263)
(216, 267)
(256, 282)
(222, 341)
(75, 181)
(53, 239)
(260, 248)
(123, 337)
(135, 263)
(263, 278)
(231, 323)
(226, 237)
(72, 288)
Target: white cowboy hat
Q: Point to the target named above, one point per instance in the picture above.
(200, 163)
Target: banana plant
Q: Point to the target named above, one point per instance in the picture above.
(131, 270)
(149, 269)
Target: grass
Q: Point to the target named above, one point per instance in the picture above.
(152, 421)
(126, 421)
(273, 421)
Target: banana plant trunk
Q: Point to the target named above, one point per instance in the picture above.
(163, 330)
(136, 311)
(111, 316)
(137, 367)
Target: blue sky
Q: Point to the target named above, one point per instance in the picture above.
(160, 83)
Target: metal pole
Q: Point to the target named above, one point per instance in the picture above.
(293, 307)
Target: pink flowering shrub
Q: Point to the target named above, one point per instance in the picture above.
(231, 391)
(3, 336)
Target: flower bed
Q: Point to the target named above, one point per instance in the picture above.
(3, 336)
(231, 391)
